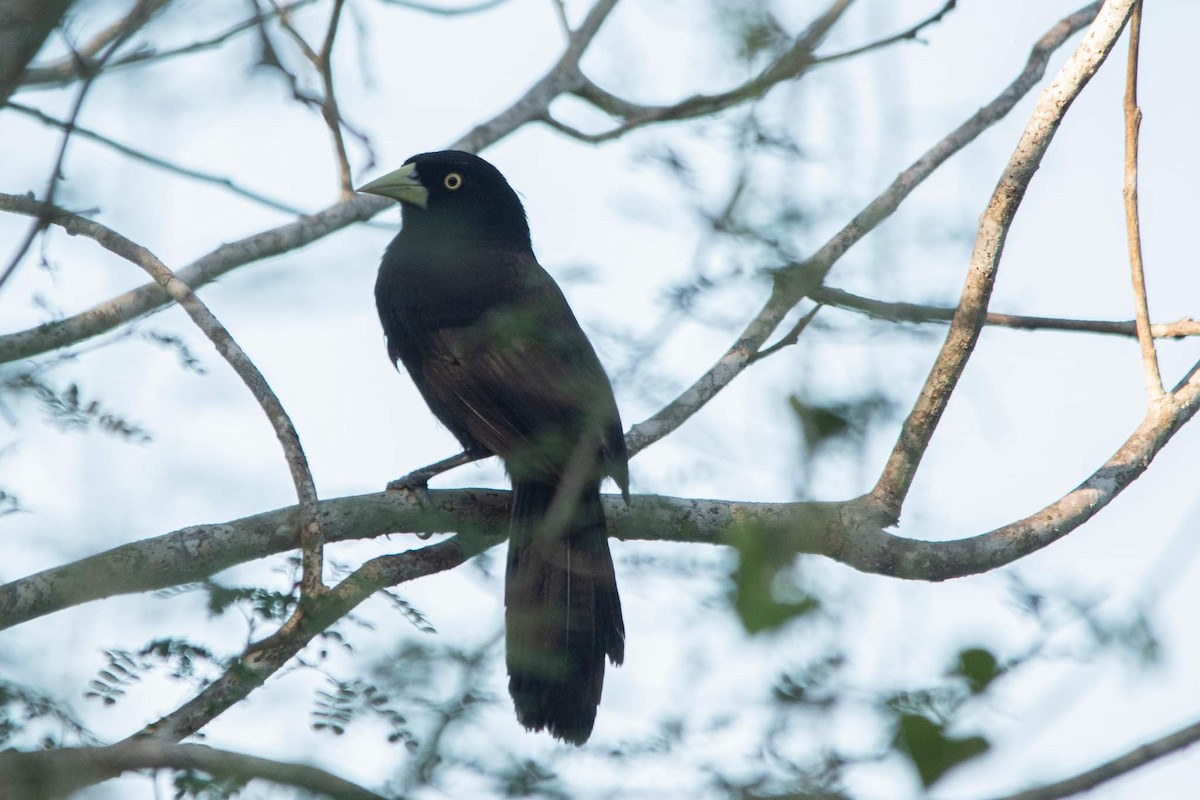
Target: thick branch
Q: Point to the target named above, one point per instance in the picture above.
(48, 774)
(917, 431)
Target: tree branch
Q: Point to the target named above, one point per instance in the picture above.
(851, 532)
(154, 161)
(1121, 765)
(917, 312)
(918, 428)
(1133, 232)
(794, 282)
(24, 27)
(793, 63)
(310, 522)
(48, 774)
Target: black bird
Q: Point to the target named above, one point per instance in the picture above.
(494, 349)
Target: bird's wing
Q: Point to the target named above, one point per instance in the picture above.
(526, 383)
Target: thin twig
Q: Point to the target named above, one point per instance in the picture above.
(310, 521)
(918, 429)
(917, 312)
(41, 223)
(1133, 232)
(161, 163)
(912, 33)
(446, 11)
(793, 63)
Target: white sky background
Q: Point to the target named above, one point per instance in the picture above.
(1034, 415)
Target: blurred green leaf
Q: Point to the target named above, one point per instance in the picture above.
(931, 750)
(978, 667)
(762, 598)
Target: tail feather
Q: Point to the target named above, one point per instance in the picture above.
(563, 613)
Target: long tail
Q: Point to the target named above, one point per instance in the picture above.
(563, 613)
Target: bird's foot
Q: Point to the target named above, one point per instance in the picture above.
(416, 481)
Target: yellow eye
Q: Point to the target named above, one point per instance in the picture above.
(452, 181)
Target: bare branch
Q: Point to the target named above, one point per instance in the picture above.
(795, 281)
(41, 222)
(792, 64)
(1121, 765)
(917, 431)
(1133, 232)
(86, 60)
(310, 522)
(912, 33)
(47, 774)
(916, 312)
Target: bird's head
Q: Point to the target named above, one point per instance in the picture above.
(452, 193)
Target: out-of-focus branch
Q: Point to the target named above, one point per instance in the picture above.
(917, 312)
(1097, 776)
(446, 11)
(187, 172)
(47, 774)
(912, 33)
(311, 540)
(917, 430)
(41, 223)
(852, 532)
(793, 63)
(1133, 227)
(321, 60)
(263, 659)
(67, 70)
(795, 281)
(86, 60)
(24, 27)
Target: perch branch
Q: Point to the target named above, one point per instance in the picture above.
(851, 532)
